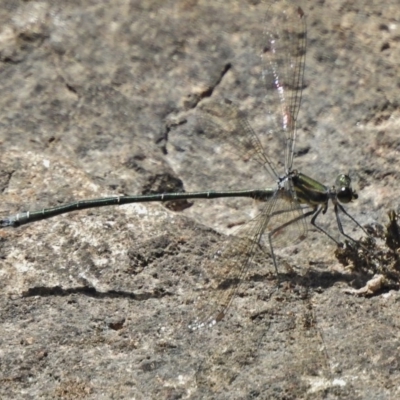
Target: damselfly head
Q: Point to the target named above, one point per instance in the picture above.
(344, 193)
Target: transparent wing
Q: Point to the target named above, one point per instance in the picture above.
(287, 224)
(283, 69)
(280, 222)
(224, 120)
(224, 270)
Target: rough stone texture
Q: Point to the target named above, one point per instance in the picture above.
(93, 102)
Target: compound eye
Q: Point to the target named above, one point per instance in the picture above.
(343, 181)
(346, 195)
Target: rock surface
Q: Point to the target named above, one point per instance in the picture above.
(94, 102)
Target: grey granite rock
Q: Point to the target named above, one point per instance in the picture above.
(94, 102)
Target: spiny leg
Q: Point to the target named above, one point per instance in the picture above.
(341, 208)
(316, 213)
